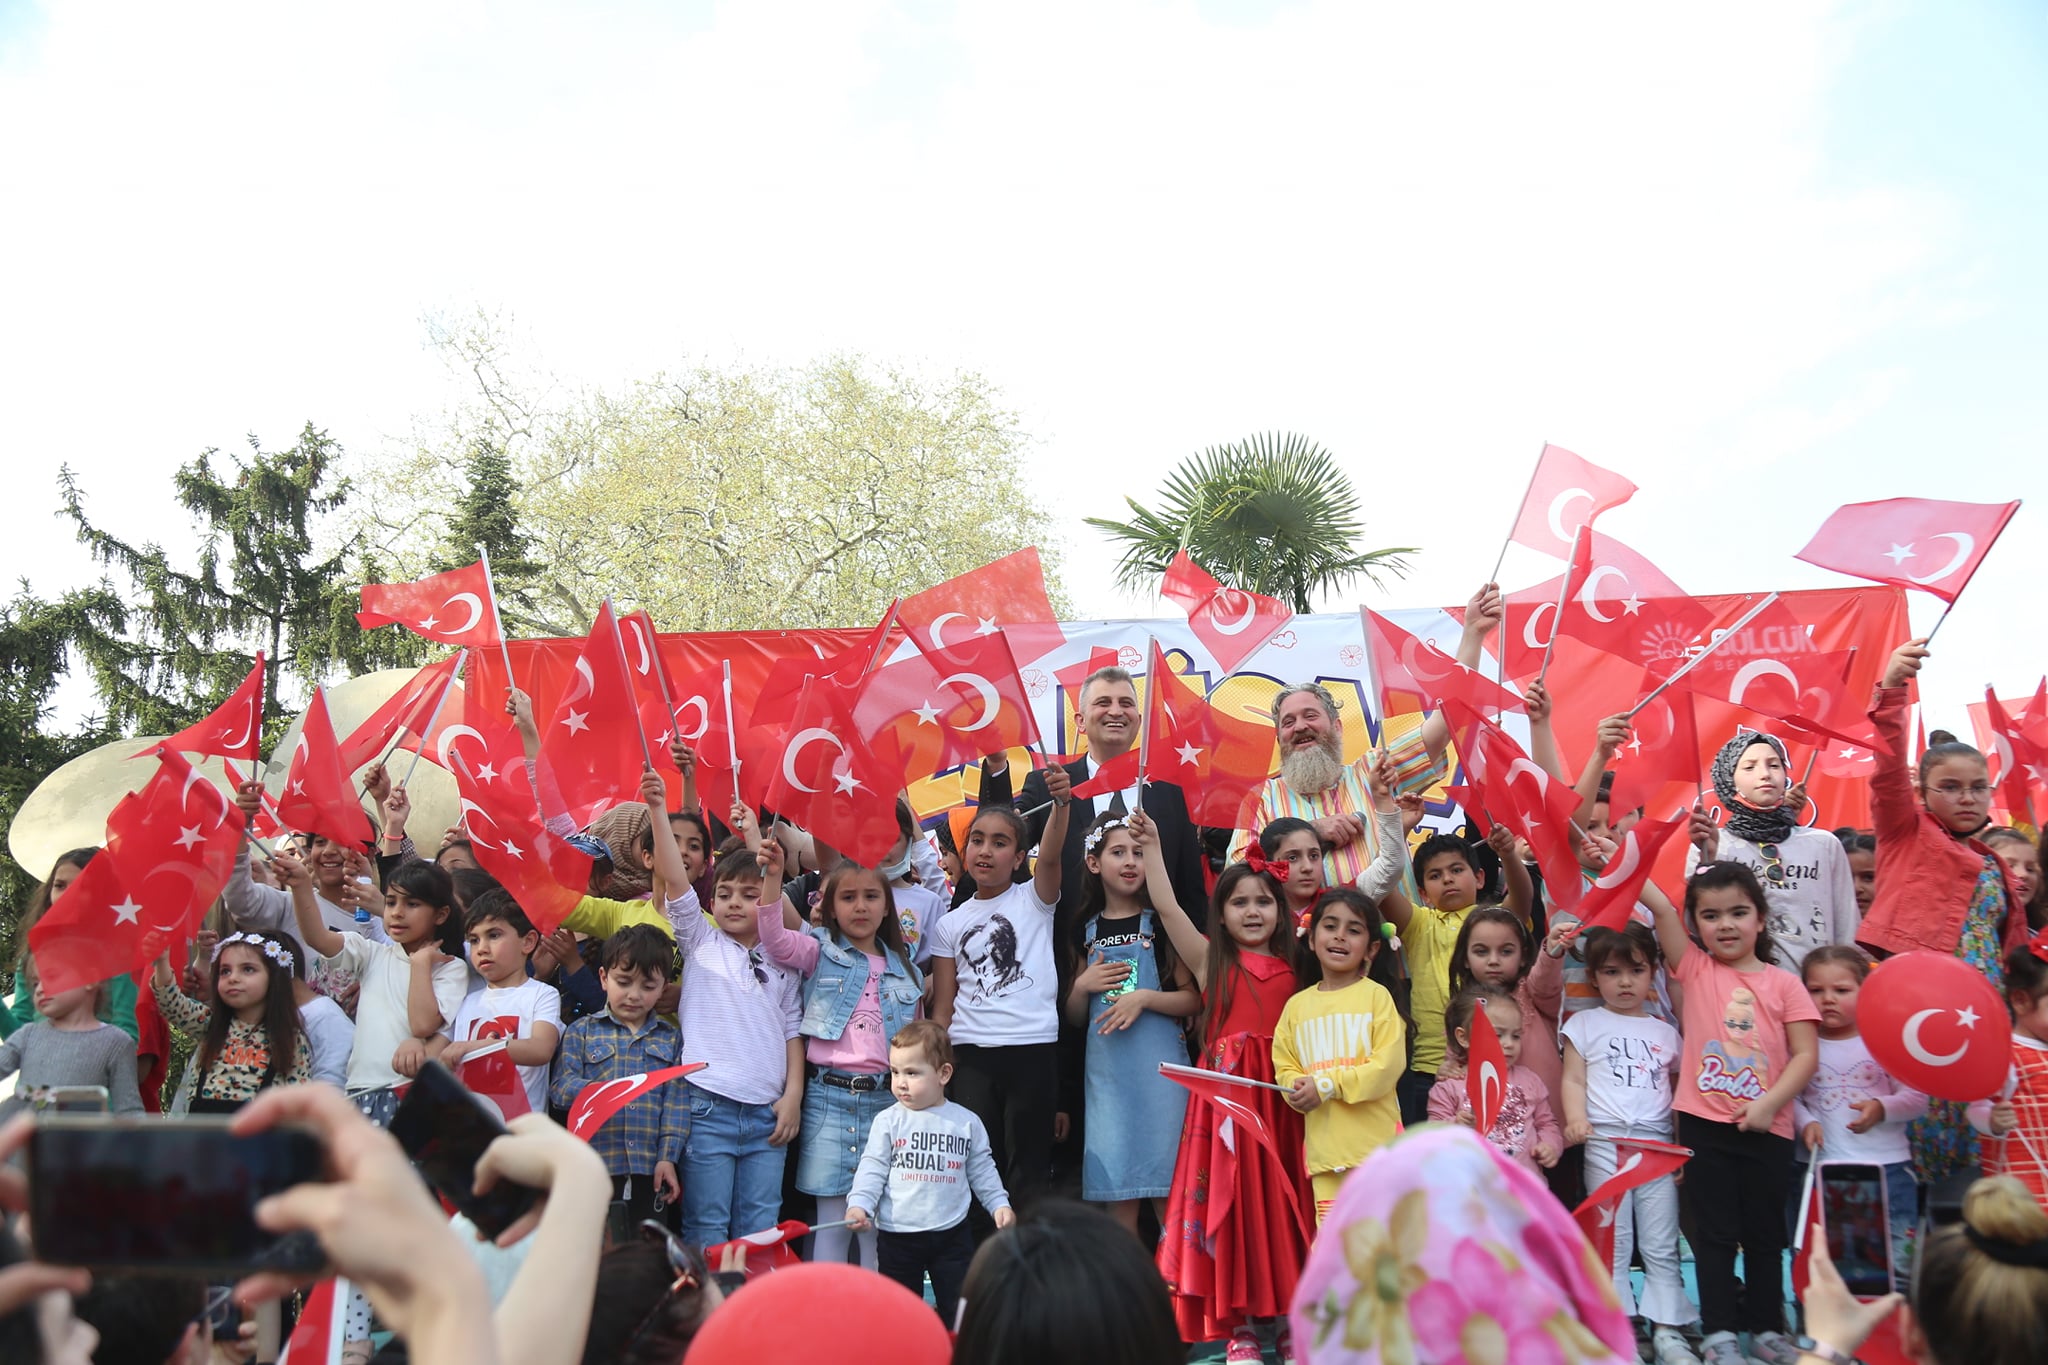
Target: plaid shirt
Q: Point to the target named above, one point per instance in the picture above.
(652, 1128)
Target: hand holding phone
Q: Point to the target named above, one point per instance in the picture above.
(1857, 1216)
(445, 1128)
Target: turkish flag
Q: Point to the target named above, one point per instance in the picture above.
(2022, 762)
(1231, 623)
(489, 1073)
(702, 700)
(1006, 595)
(456, 607)
(775, 701)
(1611, 901)
(1231, 1096)
(322, 1324)
(235, 729)
(599, 1100)
(1515, 791)
(410, 709)
(1663, 751)
(547, 875)
(950, 705)
(1413, 675)
(170, 848)
(1617, 601)
(1639, 1161)
(317, 797)
(1216, 759)
(769, 1250)
(830, 781)
(1911, 542)
(1565, 494)
(1773, 668)
(1849, 761)
(591, 749)
(1486, 1072)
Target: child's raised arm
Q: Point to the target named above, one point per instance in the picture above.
(668, 855)
(1483, 611)
(1521, 891)
(1671, 935)
(1607, 742)
(313, 930)
(1188, 941)
(1045, 878)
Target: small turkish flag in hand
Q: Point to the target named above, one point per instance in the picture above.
(234, 730)
(1565, 494)
(1414, 675)
(1231, 623)
(456, 607)
(1486, 1072)
(317, 798)
(1638, 1161)
(1515, 791)
(591, 749)
(598, 1101)
(545, 873)
(1006, 595)
(1214, 757)
(409, 709)
(1911, 542)
(1611, 900)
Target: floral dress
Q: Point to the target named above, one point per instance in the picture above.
(1944, 1142)
(243, 1066)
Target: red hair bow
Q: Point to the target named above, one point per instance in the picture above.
(1257, 861)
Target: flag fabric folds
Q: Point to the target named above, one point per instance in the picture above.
(456, 608)
(1919, 543)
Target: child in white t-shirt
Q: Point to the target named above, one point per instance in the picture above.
(1851, 1110)
(525, 1013)
(995, 986)
(1618, 1064)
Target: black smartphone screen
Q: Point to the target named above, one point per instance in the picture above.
(444, 1128)
(1855, 1212)
(167, 1195)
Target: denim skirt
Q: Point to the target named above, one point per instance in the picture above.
(835, 1133)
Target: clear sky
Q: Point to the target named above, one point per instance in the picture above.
(1762, 258)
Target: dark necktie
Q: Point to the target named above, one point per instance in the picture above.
(1117, 806)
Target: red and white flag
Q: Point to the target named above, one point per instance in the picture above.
(1486, 1072)
(598, 1101)
(456, 608)
(1919, 543)
(1413, 675)
(545, 873)
(733, 756)
(1514, 790)
(408, 710)
(1638, 1162)
(591, 748)
(317, 1336)
(1662, 753)
(949, 706)
(1610, 901)
(1216, 758)
(1615, 600)
(234, 730)
(835, 784)
(317, 797)
(1231, 623)
(490, 1074)
(1565, 494)
(1232, 1096)
(1007, 595)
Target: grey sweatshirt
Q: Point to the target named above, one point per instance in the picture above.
(920, 1165)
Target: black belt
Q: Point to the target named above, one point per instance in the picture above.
(847, 1080)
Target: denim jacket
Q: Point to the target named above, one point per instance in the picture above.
(833, 991)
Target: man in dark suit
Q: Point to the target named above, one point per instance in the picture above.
(1110, 716)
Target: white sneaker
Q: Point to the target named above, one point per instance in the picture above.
(1669, 1347)
(1722, 1349)
(1773, 1348)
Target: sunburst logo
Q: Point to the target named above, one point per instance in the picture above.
(1035, 682)
(1664, 641)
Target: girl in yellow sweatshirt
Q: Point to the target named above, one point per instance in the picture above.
(1341, 1044)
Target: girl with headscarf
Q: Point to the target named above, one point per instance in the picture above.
(1805, 874)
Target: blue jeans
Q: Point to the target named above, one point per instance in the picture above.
(732, 1178)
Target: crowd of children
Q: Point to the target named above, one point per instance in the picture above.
(909, 1053)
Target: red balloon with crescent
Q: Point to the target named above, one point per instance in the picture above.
(1934, 1022)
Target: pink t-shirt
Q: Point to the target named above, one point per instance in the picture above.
(861, 1048)
(1735, 1044)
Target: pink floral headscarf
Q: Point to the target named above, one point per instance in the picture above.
(1441, 1251)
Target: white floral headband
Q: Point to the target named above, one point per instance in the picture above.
(269, 947)
(1095, 836)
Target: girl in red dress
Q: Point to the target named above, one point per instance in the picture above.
(1236, 1228)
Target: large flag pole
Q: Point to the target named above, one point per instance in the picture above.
(447, 689)
(1564, 591)
(497, 616)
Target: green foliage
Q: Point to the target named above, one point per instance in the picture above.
(34, 638)
(1272, 514)
(716, 499)
(186, 639)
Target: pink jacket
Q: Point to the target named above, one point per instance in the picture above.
(1925, 875)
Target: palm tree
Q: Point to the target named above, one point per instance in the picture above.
(1272, 514)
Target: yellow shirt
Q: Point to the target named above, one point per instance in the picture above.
(1431, 936)
(601, 918)
(1351, 1042)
